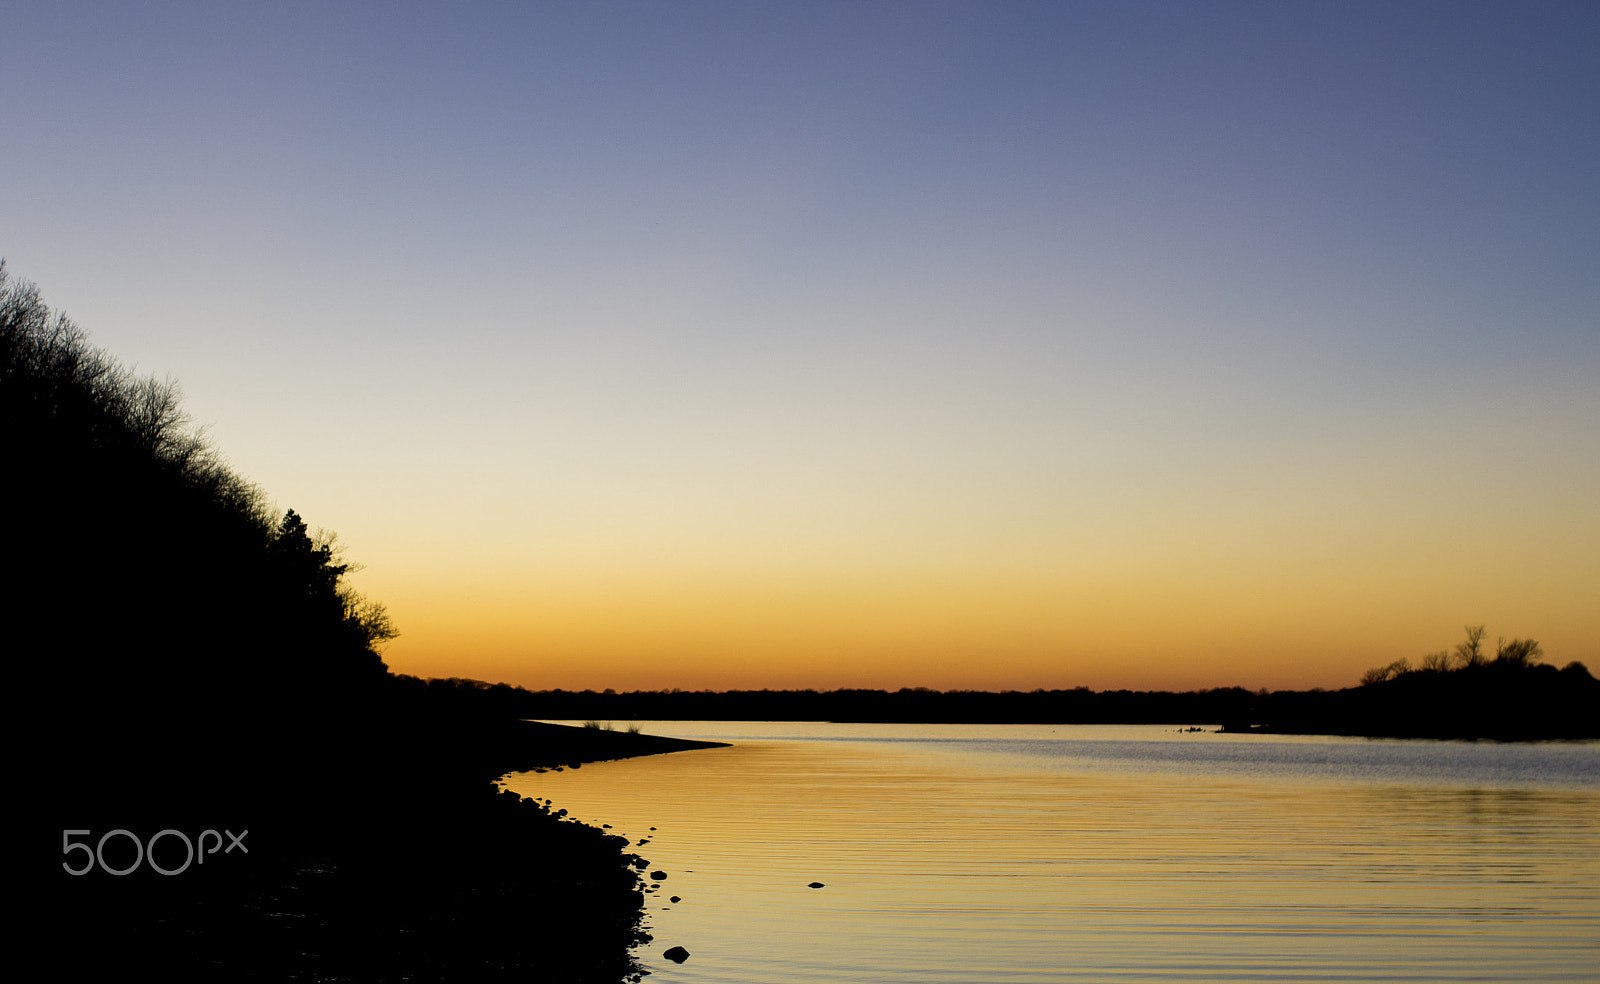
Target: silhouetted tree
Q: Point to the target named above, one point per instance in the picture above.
(1518, 652)
(1378, 674)
(1470, 652)
(1438, 662)
(308, 566)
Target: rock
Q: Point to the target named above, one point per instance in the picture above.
(658, 876)
(814, 885)
(677, 954)
(675, 900)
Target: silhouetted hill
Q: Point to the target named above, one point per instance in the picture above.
(190, 668)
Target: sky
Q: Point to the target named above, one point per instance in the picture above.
(961, 345)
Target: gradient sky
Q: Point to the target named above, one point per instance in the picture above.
(994, 345)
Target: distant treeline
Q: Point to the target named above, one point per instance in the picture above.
(1460, 693)
(1509, 697)
(918, 705)
(1495, 701)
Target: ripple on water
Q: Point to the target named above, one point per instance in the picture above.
(1013, 854)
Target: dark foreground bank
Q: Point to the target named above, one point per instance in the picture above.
(215, 776)
(411, 869)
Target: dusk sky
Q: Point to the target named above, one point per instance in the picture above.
(977, 345)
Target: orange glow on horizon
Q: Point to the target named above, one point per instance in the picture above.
(1003, 632)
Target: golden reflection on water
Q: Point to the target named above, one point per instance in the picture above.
(958, 862)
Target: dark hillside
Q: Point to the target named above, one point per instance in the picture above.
(186, 664)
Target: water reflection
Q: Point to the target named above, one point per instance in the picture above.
(1015, 856)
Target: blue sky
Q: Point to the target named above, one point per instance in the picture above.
(1015, 344)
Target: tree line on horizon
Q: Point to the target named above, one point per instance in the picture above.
(1459, 693)
(909, 704)
(1468, 655)
(1500, 701)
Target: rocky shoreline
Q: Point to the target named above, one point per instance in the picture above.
(422, 871)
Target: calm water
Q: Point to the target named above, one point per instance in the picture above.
(1104, 854)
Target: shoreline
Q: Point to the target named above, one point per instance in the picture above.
(540, 744)
(425, 870)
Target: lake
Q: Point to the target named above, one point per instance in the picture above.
(1020, 853)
